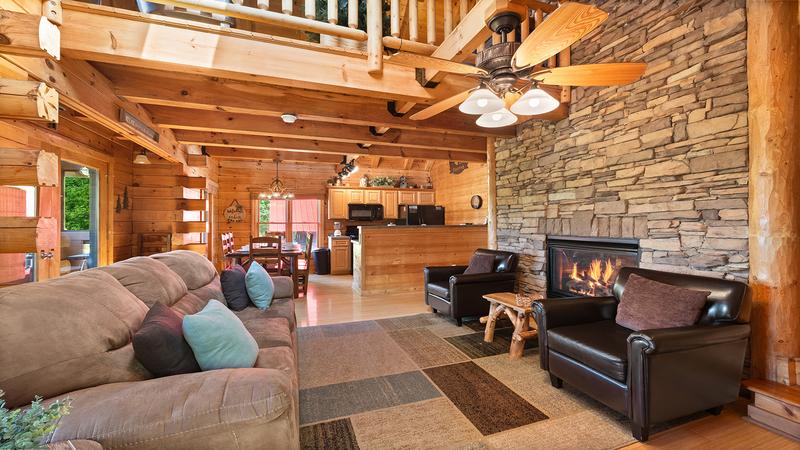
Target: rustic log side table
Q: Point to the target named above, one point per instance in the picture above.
(520, 316)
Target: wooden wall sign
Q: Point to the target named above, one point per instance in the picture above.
(234, 213)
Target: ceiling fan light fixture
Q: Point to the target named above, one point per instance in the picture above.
(495, 119)
(481, 101)
(535, 101)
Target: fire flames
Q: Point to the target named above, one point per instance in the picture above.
(595, 280)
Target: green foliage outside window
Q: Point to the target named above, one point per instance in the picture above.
(25, 428)
(77, 203)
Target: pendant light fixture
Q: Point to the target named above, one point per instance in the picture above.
(535, 101)
(481, 101)
(141, 158)
(495, 119)
(277, 189)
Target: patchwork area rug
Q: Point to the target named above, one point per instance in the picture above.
(421, 382)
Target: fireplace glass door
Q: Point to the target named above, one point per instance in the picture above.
(587, 267)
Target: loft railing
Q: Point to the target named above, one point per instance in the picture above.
(353, 30)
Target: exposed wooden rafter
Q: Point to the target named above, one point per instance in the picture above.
(271, 155)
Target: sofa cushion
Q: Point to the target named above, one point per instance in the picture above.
(270, 331)
(480, 263)
(219, 339)
(195, 269)
(234, 288)
(68, 333)
(602, 345)
(260, 287)
(440, 289)
(648, 304)
(223, 409)
(281, 308)
(149, 280)
(159, 344)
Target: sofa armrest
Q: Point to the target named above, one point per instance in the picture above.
(666, 340)
(473, 278)
(441, 273)
(560, 312)
(284, 287)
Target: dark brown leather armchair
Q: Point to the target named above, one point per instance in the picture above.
(651, 375)
(449, 291)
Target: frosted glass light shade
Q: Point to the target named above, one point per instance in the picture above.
(535, 101)
(481, 101)
(495, 119)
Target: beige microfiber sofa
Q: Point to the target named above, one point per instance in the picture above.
(71, 337)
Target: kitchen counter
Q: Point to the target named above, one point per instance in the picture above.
(390, 259)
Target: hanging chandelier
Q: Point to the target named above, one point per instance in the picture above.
(277, 189)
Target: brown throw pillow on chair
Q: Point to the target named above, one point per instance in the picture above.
(480, 263)
(647, 304)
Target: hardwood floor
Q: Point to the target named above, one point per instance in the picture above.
(331, 300)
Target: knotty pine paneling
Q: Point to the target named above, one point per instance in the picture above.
(455, 191)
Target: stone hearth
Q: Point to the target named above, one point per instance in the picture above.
(663, 160)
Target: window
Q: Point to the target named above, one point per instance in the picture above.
(77, 201)
(79, 217)
(290, 218)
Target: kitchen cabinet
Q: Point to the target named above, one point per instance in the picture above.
(425, 198)
(355, 196)
(389, 204)
(337, 203)
(372, 197)
(341, 256)
(407, 198)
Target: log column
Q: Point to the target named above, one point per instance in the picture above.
(773, 49)
(491, 169)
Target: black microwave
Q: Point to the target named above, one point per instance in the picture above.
(357, 211)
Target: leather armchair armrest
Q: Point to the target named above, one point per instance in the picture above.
(481, 277)
(441, 273)
(668, 340)
(560, 312)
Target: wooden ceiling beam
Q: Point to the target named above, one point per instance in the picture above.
(153, 87)
(272, 155)
(220, 122)
(117, 36)
(313, 146)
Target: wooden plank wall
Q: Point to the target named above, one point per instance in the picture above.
(153, 196)
(455, 191)
(124, 243)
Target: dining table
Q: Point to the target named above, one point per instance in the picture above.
(289, 250)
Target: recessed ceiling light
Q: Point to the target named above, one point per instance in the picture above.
(289, 117)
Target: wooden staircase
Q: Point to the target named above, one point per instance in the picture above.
(776, 406)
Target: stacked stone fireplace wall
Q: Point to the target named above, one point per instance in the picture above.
(663, 160)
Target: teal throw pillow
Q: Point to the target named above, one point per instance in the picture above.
(219, 340)
(260, 287)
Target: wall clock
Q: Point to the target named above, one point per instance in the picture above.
(476, 202)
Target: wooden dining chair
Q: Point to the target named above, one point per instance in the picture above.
(228, 247)
(304, 265)
(267, 251)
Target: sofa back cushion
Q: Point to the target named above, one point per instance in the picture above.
(728, 301)
(65, 334)
(195, 269)
(149, 280)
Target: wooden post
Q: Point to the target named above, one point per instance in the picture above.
(413, 21)
(287, 6)
(773, 49)
(430, 18)
(352, 14)
(448, 17)
(375, 37)
(333, 11)
(28, 100)
(311, 9)
(491, 204)
(463, 9)
(395, 18)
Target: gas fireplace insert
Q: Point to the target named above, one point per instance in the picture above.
(579, 267)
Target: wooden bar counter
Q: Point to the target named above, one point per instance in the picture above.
(390, 259)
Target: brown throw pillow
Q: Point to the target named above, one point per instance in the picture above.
(647, 304)
(159, 344)
(480, 263)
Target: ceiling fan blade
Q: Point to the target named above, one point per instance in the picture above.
(591, 74)
(441, 106)
(429, 62)
(562, 28)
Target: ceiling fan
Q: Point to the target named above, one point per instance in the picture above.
(506, 69)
